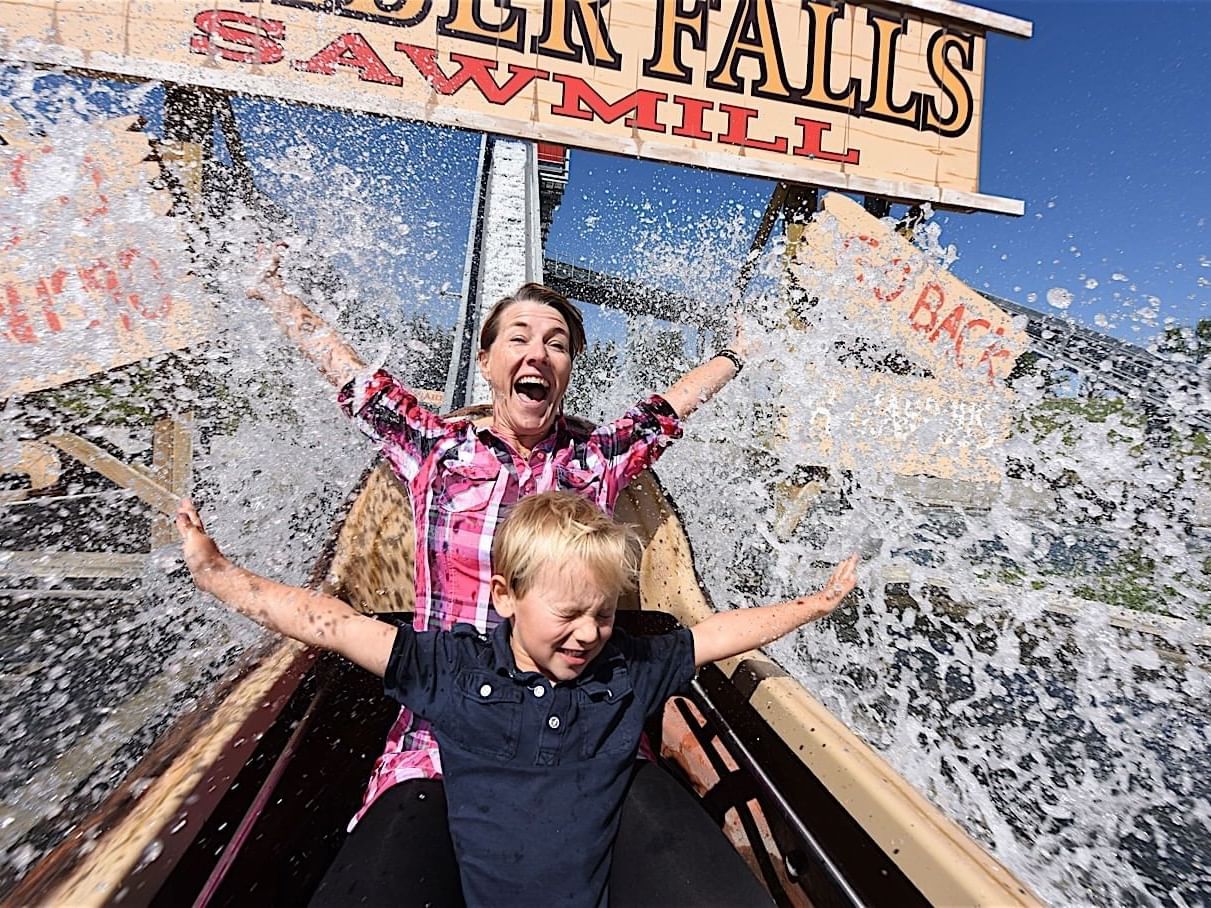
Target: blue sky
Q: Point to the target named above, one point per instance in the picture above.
(1098, 122)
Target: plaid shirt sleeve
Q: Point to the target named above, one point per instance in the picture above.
(629, 445)
(386, 411)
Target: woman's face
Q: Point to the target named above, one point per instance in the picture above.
(528, 367)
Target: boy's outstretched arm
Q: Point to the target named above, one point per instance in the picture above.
(728, 634)
(307, 616)
(337, 361)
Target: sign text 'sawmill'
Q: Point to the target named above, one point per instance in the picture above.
(864, 99)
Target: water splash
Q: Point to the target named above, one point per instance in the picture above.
(1031, 652)
(97, 666)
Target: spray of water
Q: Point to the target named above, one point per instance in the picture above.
(998, 656)
(97, 666)
(1030, 652)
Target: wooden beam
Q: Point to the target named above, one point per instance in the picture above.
(71, 564)
(171, 456)
(35, 460)
(126, 594)
(973, 15)
(135, 479)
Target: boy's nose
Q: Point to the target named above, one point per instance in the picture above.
(587, 633)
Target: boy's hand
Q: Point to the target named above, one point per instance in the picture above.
(202, 556)
(840, 583)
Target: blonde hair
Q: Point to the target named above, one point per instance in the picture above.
(536, 293)
(553, 528)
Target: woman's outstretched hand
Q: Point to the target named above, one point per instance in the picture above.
(268, 284)
(202, 556)
(742, 344)
(338, 361)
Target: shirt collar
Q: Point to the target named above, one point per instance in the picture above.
(559, 431)
(608, 672)
(502, 652)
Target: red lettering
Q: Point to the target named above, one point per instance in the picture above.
(470, 69)
(101, 278)
(974, 323)
(953, 326)
(860, 262)
(992, 352)
(98, 177)
(350, 50)
(692, 111)
(738, 119)
(47, 289)
(127, 259)
(931, 292)
(17, 172)
(905, 271)
(581, 101)
(19, 327)
(252, 44)
(813, 140)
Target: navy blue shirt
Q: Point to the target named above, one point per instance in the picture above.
(535, 772)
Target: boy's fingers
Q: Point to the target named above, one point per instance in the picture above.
(188, 514)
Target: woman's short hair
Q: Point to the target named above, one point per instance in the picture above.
(536, 293)
(553, 528)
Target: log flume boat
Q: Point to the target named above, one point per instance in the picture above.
(246, 798)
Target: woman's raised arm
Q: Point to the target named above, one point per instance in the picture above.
(703, 382)
(336, 360)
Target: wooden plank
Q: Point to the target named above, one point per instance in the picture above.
(96, 298)
(973, 15)
(37, 461)
(137, 480)
(96, 595)
(171, 456)
(429, 397)
(71, 564)
(97, 877)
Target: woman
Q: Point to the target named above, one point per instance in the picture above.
(461, 477)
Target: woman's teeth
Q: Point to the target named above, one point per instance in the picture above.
(532, 388)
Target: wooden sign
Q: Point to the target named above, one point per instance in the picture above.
(950, 414)
(885, 99)
(883, 282)
(93, 273)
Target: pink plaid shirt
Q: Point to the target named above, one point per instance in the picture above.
(461, 480)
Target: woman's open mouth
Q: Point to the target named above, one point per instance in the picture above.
(532, 388)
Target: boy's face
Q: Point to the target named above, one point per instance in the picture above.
(561, 623)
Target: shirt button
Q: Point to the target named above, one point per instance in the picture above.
(486, 690)
(540, 691)
(553, 722)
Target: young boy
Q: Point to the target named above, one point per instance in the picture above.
(538, 722)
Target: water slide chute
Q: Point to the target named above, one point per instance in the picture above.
(746, 721)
